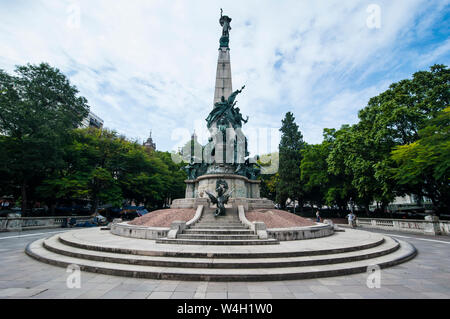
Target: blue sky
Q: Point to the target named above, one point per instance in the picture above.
(150, 65)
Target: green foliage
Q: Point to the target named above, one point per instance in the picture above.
(269, 185)
(290, 158)
(325, 181)
(314, 175)
(38, 108)
(393, 118)
(269, 175)
(106, 168)
(43, 153)
(400, 145)
(425, 163)
(351, 159)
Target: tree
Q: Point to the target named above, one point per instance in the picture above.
(103, 167)
(175, 178)
(38, 109)
(390, 119)
(290, 148)
(394, 118)
(353, 158)
(269, 184)
(425, 163)
(336, 178)
(269, 177)
(93, 164)
(314, 173)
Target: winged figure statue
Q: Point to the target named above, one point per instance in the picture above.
(222, 197)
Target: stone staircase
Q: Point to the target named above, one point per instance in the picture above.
(218, 230)
(98, 251)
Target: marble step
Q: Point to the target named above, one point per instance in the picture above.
(219, 227)
(54, 245)
(225, 242)
(37, 250)
(217, 219)
(225, 223)
(211, 217)
(233, 224)
(219, 231)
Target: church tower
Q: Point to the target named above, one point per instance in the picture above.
(149, 144)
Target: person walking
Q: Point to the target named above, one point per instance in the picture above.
(351, 219)
(317, 216)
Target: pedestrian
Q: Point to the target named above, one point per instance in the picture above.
(351, 219)
(317, 216)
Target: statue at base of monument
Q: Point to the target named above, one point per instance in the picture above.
(222, 197)
(194, 170)
(250, 169)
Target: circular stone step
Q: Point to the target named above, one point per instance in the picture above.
(54, 245)
(97, 240)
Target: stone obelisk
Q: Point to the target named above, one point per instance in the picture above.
(223, 73)
(225, 169)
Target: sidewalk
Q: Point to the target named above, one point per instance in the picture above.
(426, 276)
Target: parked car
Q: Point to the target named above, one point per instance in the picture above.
(95, 221)
(100, 220)
(132, 212)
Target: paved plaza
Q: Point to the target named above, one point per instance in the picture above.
(425, 276)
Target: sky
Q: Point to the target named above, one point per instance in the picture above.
(150, 65)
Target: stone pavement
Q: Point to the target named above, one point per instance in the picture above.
(426, 276)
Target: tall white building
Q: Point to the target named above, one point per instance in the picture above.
(407, 202)
(92, 120)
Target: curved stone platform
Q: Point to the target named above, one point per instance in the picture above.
(232, 229)
(343, 253)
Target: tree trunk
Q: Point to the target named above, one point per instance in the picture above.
(24, 196)
(300, 204)
(366, 208)
(95, 206)
(384, 206)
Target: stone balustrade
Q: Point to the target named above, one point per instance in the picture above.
(431, 225)
(29, 223)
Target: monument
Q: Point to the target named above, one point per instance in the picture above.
(222, 230)
(225, 157)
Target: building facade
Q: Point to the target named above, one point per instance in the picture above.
(92, 120)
